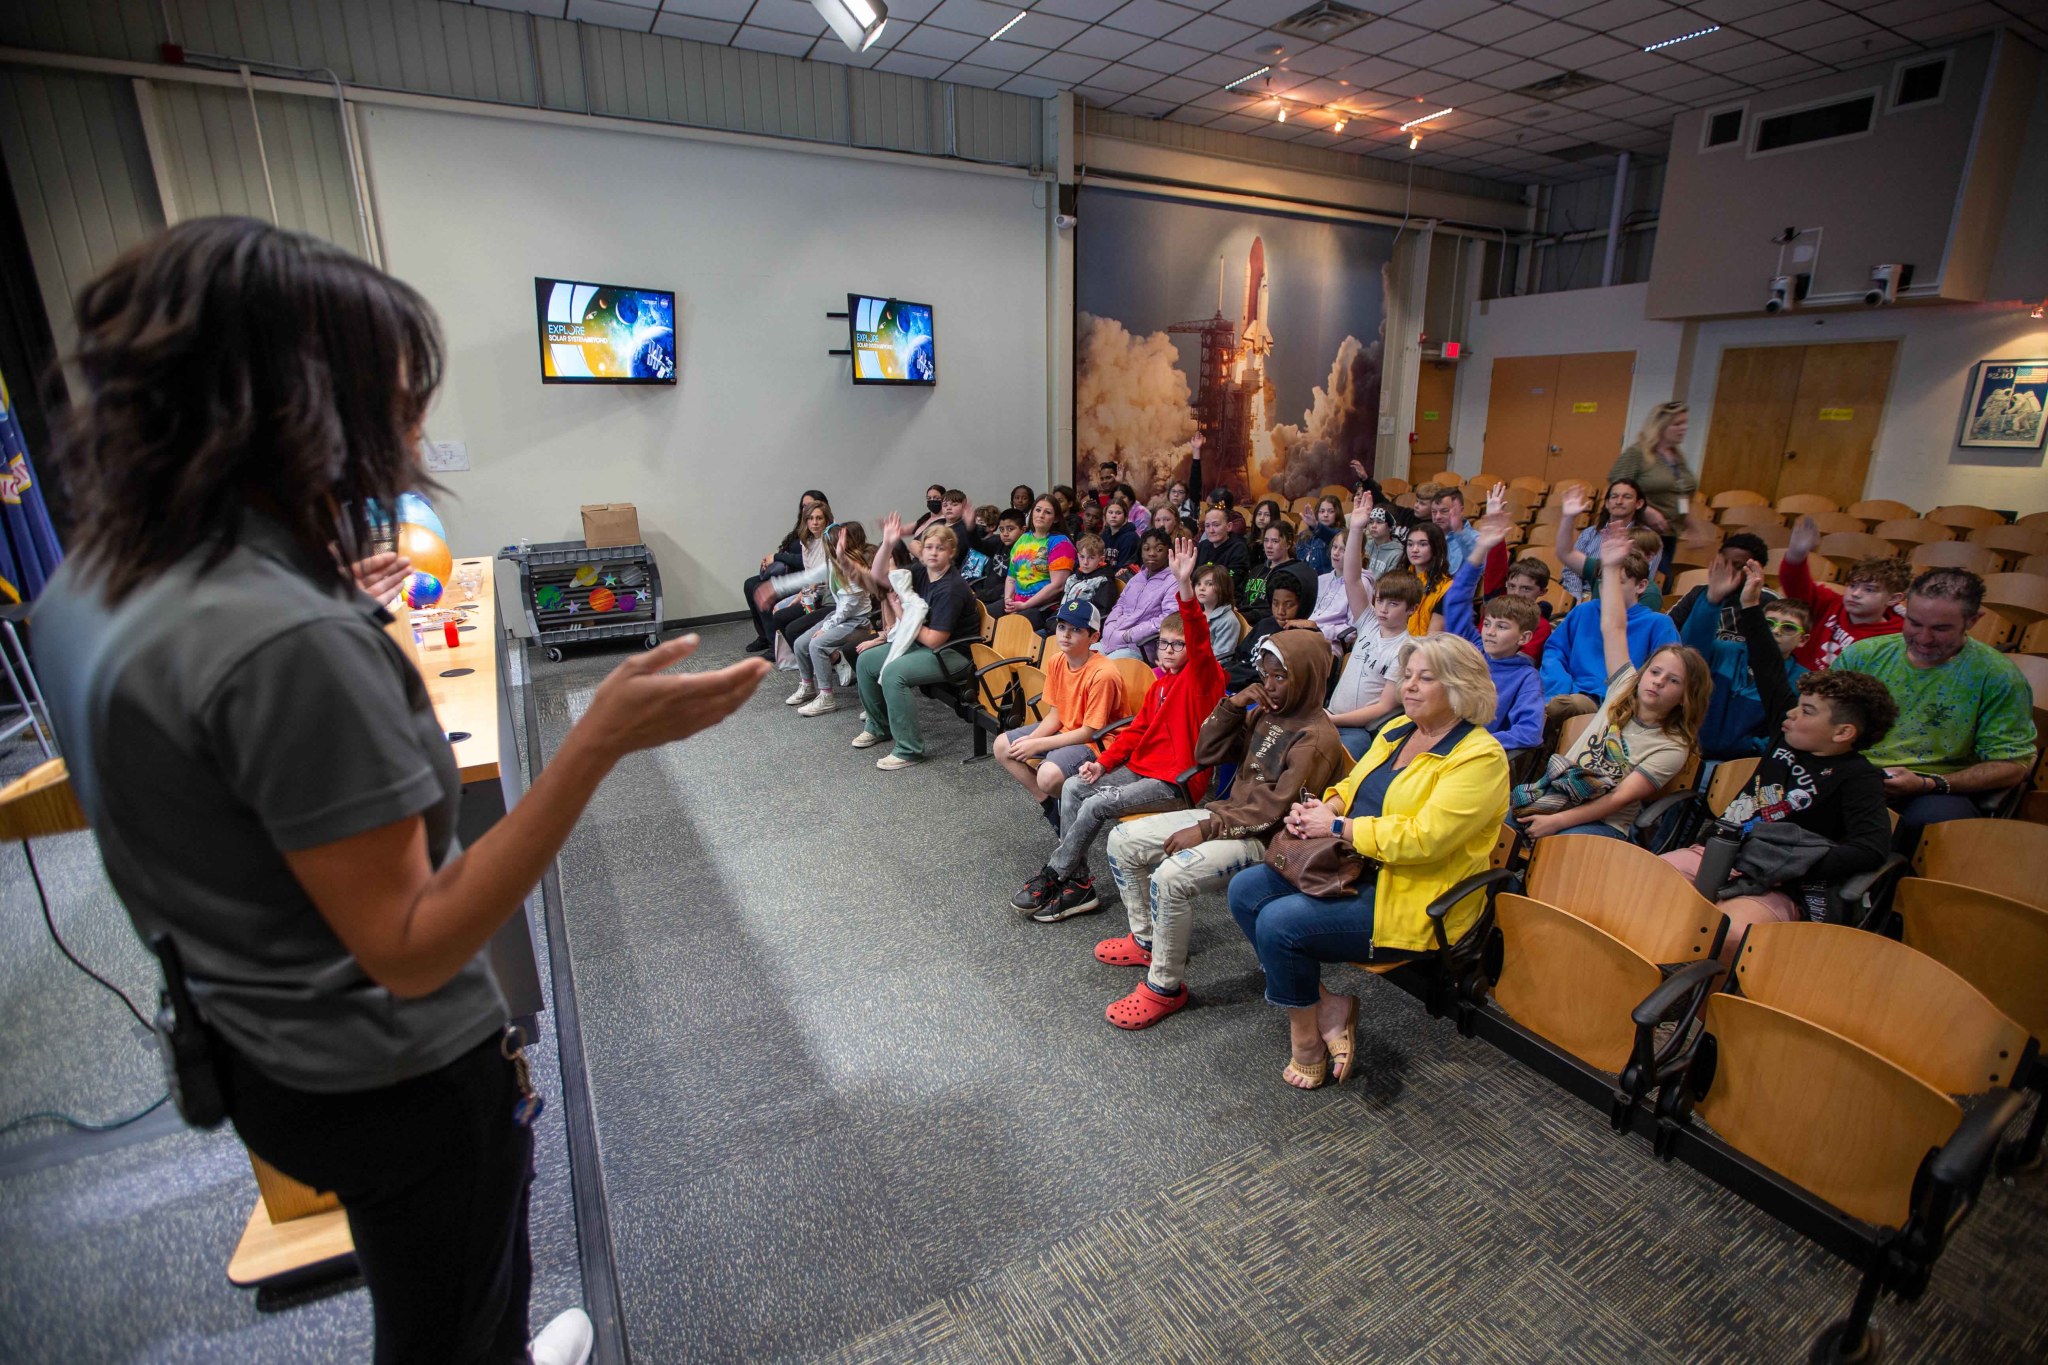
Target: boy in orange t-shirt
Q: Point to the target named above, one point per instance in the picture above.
(1082, 694)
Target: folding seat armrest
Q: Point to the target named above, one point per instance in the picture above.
(1653, 813)
(1868, 890)
(1490, 881)
(1106, 731)
(1679, 1001)
(987, 669)
(1953, 1175)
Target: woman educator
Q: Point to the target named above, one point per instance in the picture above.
(268, 783)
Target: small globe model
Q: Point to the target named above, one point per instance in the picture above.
(422, 590)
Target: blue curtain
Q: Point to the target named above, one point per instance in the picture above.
(29, 552)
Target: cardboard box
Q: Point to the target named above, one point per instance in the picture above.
(610, 523)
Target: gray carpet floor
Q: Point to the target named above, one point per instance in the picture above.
(851, 1107)
(116, 1248)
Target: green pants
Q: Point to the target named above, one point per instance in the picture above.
(889, 693)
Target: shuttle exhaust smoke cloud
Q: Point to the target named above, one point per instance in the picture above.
(1132, 403)
(1339, 426)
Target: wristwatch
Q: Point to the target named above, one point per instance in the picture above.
(1940, 784)
(1337, 826)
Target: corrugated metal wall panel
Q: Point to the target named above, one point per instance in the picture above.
(82, 183)
(212, 160)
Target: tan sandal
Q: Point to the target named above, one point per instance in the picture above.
(1344, 1047)
(1307, 1077)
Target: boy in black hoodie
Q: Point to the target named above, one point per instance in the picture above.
(1813, 774)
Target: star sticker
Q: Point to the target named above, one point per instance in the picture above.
(571, 608)
(611, 580)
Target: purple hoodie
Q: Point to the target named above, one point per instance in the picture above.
(1148, 599)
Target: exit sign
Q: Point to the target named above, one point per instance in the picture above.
(1453, 349)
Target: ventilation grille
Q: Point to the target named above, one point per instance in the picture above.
(1821, 123)
(1323, 21)
(1570, 83)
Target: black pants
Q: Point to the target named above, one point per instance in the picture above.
(434, 1176)
(747, 590)
(794, 619)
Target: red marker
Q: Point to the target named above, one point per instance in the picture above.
(448, 629)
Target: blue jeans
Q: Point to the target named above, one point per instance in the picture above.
(1597, 828)
(1296, 934)
(1916, 813)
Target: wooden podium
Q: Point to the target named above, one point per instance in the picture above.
(296, 1234)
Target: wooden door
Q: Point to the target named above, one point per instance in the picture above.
(1752, 414)
(1834, 419)
(1435, 386)
(1589, 415)
(1517, 438)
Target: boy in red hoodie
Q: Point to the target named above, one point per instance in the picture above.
(1137, 770)
(1867, 603)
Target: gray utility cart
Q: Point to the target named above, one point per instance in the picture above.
(574, 594)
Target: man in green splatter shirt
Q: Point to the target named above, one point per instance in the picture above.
(1966, 720)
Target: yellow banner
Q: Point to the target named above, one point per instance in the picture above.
(1838, 414)
(1585, 407)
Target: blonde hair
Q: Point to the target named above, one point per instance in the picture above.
(1684, 721)
(1462, 669)
(1660, 419)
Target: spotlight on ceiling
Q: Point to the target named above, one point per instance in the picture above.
(1283, 113)
(1338, 126)
(1414, 141)
(856, 22)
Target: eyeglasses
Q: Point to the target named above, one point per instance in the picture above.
(1786, 628)
(1166, 644)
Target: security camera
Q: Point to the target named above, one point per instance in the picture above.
(1064, 221)
(1786, 292)
(1885, 283)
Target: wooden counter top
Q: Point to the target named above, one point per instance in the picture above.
(468, 704)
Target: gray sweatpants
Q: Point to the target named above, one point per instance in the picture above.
(1085, 807)
(1157, 890)
(815, 646)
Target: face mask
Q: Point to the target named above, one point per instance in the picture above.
(931, 504)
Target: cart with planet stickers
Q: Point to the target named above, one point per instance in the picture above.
(577, 594)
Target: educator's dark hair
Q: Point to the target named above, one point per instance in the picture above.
(229, 364)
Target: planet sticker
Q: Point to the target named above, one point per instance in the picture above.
(628, 601)
(586, 575)
(601, 599)
(547, 597)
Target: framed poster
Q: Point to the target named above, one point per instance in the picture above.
(2004, 411)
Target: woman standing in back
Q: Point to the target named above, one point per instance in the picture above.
(265, 774)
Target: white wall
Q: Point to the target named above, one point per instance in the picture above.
(1571, 322)
(1916, 460)
(759, 244)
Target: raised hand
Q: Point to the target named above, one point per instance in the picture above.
(1358, 468)
(1805, 536)
(1496, 499)
(381, 575)
(1721, 579)
(1752, 582)
(1361, 508)
(1576, 502)
(892, 528)
(642, 705)
(1615, 544)
(1181, 559)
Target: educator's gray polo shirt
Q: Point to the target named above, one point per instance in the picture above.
(212, 720)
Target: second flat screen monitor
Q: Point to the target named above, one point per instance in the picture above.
(892, 341)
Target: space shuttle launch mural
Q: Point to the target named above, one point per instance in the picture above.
(1291, 300)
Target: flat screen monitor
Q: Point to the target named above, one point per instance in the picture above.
(892, 341)
(605, 333)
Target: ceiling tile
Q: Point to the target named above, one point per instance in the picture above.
(1087, 11)
(1068, 68)
(1475, 63)
(695, 29)
(1214, 33)
(1153, 18)
(1502, 21)
(610, 15)
(1574, 56)
(1236, 123)
(1701, 88)
(929, 40)
(1189, 113)
(1144, 106)
(730, 11)
(1371, 72)
(977, 17)
(1378, 36)
(1260, 13)
(1036, 87)
(902, 12)
(966, 74)
(1321, 61)
(1172, 57)
(1837, 29)
(1443, 13)
(1429, 49)
(1520, 74)
(1499, 104)
(1794, 14)
(1779, 68)
(835, 53)
(911, 64)
(1218, 101)
(1043, 30)
(789, 16)
(1006, 56)
(1849, 52)
(1109, 43)
(545, 9)
(1321, 90)
(1124, 80)
(1177, 90)
(1557, 9)
(1609, 14)
(1730, 11)
(1534, 42)
(776, 41)
(1966, 20)
(1627, 64)
(1733, 60)
(1905, 11)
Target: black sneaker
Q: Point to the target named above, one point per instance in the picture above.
(760, 646)
(1076, 897)
(1038, 893)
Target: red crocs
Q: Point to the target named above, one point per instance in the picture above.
(1144, 1007)
(1123, 952)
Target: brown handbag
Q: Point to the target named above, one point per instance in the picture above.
(1323, 866)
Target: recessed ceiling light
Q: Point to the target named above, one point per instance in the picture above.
(1270, 50)
(1426, 118)
(1683, 38)
(1414, 141)
(1249, 75)
(1007, 27)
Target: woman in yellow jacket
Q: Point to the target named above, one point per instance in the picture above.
(1426, 804)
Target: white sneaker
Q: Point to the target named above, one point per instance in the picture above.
(866, 739)
(803, 693)
(820, 705)
(845, 672)
(890, 763)
(565, 1341)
